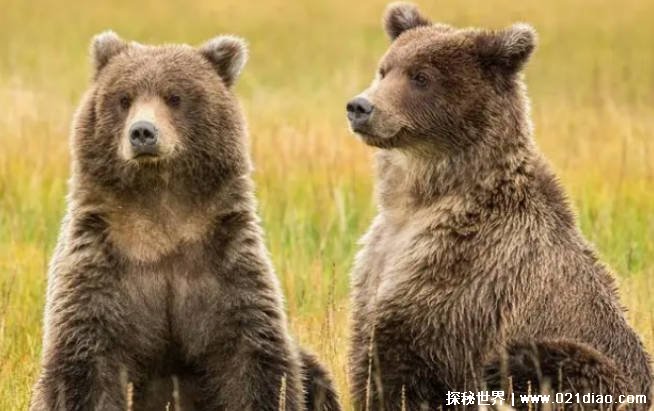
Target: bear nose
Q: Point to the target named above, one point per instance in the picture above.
(359, 109)
(143, 134)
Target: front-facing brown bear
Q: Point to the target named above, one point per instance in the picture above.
(474, 275)
(161, 294)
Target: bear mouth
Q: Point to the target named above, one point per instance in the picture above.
(146, 152)
(374, 135)
(146, 157)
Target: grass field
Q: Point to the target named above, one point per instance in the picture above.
(591, 82)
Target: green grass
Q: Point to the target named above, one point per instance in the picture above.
(591, 83)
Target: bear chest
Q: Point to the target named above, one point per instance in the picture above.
(409, 269)
(173, 300)
(386, 267)
(149, 236)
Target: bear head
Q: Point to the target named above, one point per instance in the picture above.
(440, 89)
(157, 117)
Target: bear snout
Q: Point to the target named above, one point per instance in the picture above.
(359, 110)
(144, 138)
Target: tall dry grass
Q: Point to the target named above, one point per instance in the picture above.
(592, 84)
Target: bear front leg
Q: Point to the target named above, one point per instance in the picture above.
(556, 366)
(389, 375)
(82, 369)
(78, 383)
(255, 371)
(82, 366)
(249, 364)
(407, 358)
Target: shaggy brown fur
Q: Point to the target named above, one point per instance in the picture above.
(474, 256)
(161, 280)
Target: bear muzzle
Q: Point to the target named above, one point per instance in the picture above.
(144, 138)
(359, 111)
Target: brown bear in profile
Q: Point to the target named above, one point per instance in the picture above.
(161, 294)
(474, 273)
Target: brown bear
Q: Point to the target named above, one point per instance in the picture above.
(474, 274)
(161, 294)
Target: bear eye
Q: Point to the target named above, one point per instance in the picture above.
(125, 102)
(420, 79)
(173, 100)
(382, 73)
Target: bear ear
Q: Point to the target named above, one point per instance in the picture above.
(400, 17)
(104, 47)
(228, 55)
(508, 49)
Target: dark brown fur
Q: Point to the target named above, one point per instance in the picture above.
(474, 257)
(161, 278)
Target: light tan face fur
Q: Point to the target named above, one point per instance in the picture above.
(154, 110)
(385, 121)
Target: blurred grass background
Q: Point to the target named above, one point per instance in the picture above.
(591, 82)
